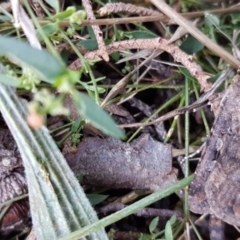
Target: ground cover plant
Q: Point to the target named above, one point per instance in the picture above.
(107, 110)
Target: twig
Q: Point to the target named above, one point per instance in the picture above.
(128, 9)
(193, 107)
(154, 43)
(120, 85)
(98, 33)
(146, 212)
(219, 51)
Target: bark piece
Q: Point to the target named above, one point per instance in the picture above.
(12, 184)
(144, 163)
(216, 188)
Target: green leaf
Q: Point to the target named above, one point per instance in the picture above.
(213, 80)
(49, 29)
(54, 4)
(64, 14)
(140, 34)
(46, 66)
(191, 45)
(211, 20)
(91, 32)
(115, 56)
(96, 198)
(5, 19)
(145, 237)
(8, 80)
(78, 17)
(168, 231)
(97, 116)
(235, 18)
(186, 73)
(153, 224)
(173, 219)
(90, 44)
(76, 125)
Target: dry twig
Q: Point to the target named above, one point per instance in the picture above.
(97, 31)
(201, 37)
(146, 212)
(126, 8)
(154, 43)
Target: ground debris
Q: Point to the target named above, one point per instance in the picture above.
(215, 189)
(12, 184)
(142, 164)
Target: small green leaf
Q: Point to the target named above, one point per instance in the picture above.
(235, 18)
(96, 198)
(191, 45)
(8, 80)
(97, 116)
(146, 237)
(115, 56)
(49, 29)
(173, 219)
(91, 32)
(213, 80)
(54, 4)
(76, 125)
(65, 14)
(46, 66)
(186, 73)
(153, 224)
(168, 231)
(140, 34)
(211, 20)
(78, 17)
(90, 44)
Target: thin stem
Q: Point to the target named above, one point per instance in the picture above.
(174, 123)
(169, 102)
(128, 210)
(186, 208)
(201, 111)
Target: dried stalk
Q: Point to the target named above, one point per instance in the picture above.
(97, 31)
(196, 105)
(152, 18)
(145, 212)
(201, 37)
(154, 43)
(127, 8)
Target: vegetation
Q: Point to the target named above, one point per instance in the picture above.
(55, 49)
